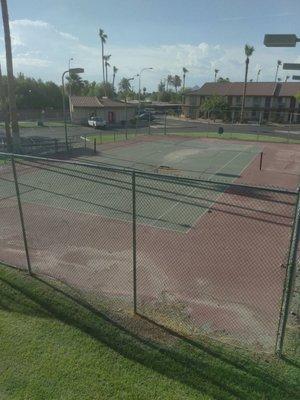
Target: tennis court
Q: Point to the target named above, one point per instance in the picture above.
(209, 253)
(99, 191)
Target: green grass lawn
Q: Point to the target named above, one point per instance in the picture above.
(239, 136)
(54, 347)
(107, 137)
(33, 124)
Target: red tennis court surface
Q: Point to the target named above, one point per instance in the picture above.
(223, 277)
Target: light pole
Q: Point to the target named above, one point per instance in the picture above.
(281, 40)
(126, 116)
(286, 41)
(74, 71)
(69, 67)
(277, 68)
(139, 75)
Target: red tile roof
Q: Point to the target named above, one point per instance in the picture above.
(289, 89)
(85, 101)
(253, 89)
(95, 102)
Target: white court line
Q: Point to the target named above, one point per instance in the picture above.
(84, 138)
(212, 203)
(192, 191)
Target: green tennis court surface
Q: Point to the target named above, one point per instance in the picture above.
(167, 204)
(194, 158)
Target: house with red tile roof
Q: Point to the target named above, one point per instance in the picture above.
(265, 101)
(112, 111)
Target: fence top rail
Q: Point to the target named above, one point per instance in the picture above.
(161, 177)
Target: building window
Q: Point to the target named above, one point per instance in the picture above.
(193, 100)
(256, 101)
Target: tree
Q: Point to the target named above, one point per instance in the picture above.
(223, 80)
(103, 38)
(176, 82)
(124, 87)
(144, 92)
(161, 87)
(170, 81)
(277, 68)
(115, 70)
(216, 73)
(100, 89)
(249, 50)
(106, 59)
(215, 105)
(76, 83)
(10, 74)
(185, 71)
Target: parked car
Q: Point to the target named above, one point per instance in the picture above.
(97, 122)
(145, 117)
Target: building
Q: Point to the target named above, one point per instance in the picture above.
(265, 101)
(112, 111)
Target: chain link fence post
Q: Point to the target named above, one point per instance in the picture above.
(21, 214)
(134, 242)
(149, 124)
(289, 278)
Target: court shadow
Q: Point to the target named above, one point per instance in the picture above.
(208, 369)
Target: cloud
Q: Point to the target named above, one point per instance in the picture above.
(42, 51)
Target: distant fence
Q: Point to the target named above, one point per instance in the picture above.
(201, 258)
(44, 146)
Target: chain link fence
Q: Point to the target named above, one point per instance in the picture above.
(201, 258)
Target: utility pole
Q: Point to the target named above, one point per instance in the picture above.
(10, 76)
(4, 109)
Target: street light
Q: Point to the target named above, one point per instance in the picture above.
(126, 114)
(291, 66)
(70, 59)
(139, 75)
(68, 71)
(281, 40)
(69, 66)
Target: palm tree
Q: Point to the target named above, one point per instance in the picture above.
(277, 67)
(125, 86)
(184, 70)
(170, 81)
(216, 73)
(115, 70)
(177, 82)
(249, 50)
(257, 75)
(10, 75)
(107, 64)
(103, 38)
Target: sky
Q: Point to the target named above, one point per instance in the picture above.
(166, 35)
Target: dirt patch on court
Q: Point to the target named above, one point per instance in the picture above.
(182, 154)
